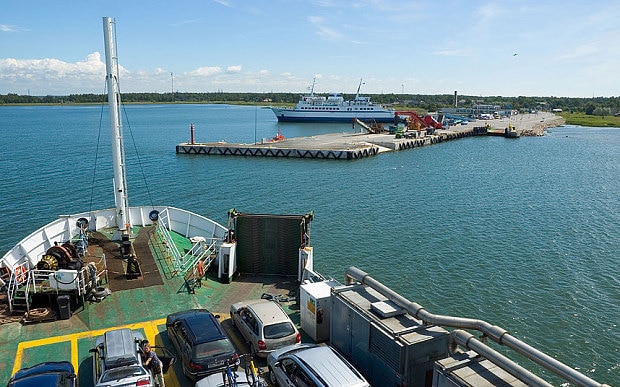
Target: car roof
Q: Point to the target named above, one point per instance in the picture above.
(47, 367)
(201, 325)
(36, 380)
(328, 365)
(120, 348)
(268, 311)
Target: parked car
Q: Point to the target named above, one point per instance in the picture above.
(312, 365)
(117, 360)
(48, 374)
(201, 342)
(265, 325)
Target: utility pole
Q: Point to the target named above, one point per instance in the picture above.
(172, 89)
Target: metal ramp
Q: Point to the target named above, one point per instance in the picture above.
(373, 128)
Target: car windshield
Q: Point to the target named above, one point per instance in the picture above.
(213, 348)
(278, 330)
(122, 373)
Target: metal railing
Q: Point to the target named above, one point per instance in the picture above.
(33, 281)
(183, 263)
(460, 337)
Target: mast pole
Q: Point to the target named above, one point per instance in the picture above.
(357, 94)
(114, 100)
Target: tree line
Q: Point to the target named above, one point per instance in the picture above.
(591, 106)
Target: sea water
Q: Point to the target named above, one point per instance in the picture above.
(523, 233)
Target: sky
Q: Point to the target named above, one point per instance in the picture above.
(483, 48)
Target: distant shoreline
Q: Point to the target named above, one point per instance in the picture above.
(578, 119)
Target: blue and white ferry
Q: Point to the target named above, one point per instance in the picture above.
(334, 108)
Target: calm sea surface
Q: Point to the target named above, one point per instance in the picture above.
(522, 233)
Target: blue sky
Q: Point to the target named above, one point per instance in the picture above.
(509, 48)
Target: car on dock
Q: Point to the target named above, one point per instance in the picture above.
(117, 360)
(201, 342)
(51, 373)
(312, 365)
(264, 325)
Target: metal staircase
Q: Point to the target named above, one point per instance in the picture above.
(194, 264)
(24, 283)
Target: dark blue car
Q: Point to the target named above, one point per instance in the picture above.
(48, 374)
(201, 342)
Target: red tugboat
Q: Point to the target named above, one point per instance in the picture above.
(277, 137)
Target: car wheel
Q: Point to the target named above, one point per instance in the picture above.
(232, 321)
(272, 377)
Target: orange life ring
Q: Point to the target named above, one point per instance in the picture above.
(201, 268)
(20, 274)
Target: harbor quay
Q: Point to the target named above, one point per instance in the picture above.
(351, 146)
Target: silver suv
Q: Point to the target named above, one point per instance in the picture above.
(265, 325)
(312, 365)
(117, 360)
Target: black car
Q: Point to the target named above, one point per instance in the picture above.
(51, 373)
(201, 342)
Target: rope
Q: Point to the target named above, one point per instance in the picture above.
(39, 314)
(126, 117)
(133, 142)
(92, 185)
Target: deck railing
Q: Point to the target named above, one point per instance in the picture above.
(200, 251)
(32, 281)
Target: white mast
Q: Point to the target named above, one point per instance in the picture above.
(357, 94)
(118, 154)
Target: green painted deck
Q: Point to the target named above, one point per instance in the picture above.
(143, 308)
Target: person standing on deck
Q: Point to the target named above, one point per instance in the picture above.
(153, 362)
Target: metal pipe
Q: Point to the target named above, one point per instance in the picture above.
(496, 333)
(468, 341)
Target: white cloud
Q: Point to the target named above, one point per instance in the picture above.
(19, 70)
(159, 71)
(324, 32)
(205, 71)
(451, 52)
(233, 69)
(185, 22)
(11, 28)
(223, 2)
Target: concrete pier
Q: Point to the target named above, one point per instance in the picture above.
(351, 146)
